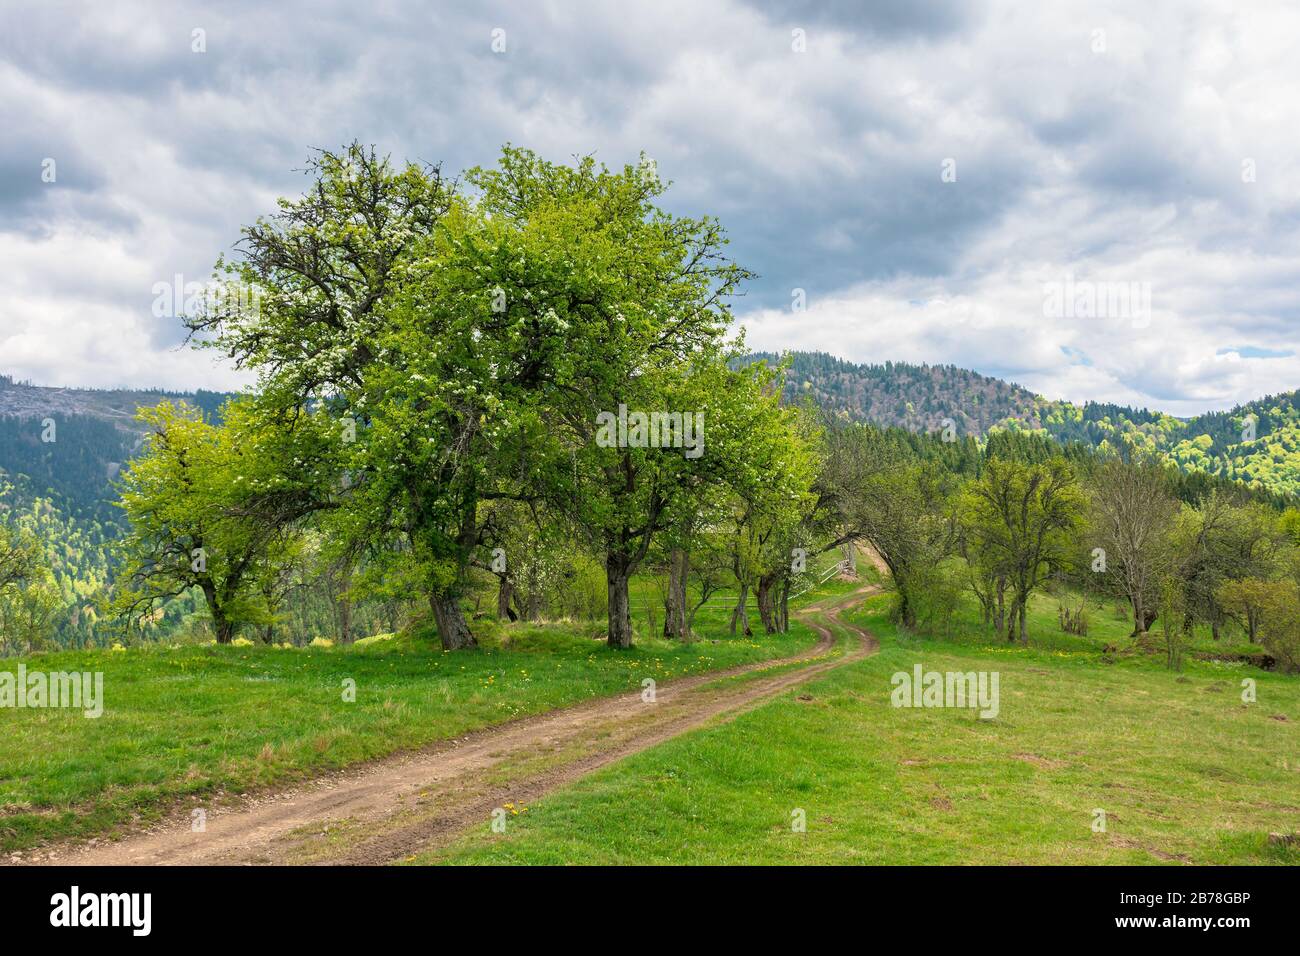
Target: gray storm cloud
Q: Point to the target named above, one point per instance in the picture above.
(920, 170)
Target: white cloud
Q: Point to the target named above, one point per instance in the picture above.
(1120, 166)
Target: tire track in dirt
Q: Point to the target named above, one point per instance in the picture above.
(388, 809)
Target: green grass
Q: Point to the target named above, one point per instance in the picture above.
(193, 721)
(1184, 770)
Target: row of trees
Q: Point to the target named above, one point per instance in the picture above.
(435, 362)
(1029, 513)
(526, 377)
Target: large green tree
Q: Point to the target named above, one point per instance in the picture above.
(895, 501)
(1025, 520)
(626, 308)
(215, 508)
(363, 301)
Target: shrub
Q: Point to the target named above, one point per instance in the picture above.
(1073, 621)
(935, 593)
(1276, 606)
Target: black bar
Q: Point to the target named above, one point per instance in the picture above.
(332, 906)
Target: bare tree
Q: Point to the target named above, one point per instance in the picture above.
(1133, 514)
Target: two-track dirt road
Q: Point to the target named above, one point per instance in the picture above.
(391, 808)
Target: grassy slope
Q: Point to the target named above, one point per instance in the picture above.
(201, 721)
(1183, 769)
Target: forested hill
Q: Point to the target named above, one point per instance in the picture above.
(913, 397)
(96, 430)
(1258, 443)
(68, 443)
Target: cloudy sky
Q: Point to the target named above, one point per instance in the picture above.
(1098, 200)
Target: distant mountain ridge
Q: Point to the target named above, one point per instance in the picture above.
(97, 430)
(115, 405)
(94, 432)
(912, 397)
(1258, 442)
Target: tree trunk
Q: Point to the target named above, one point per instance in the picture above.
(906, 610)
(452, 629)
(851, 557)
(675, 601)
(339, 583)
(705, 592)
(620, 610)
(766, 611)
(1024, 633)
(505, 590)
(739, 614)
(225, 630)
(783, 616)
(222, 626)
(345, 620)
(531, 608)
(1143, 618)
(1000, 616)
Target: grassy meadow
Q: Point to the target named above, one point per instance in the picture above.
(193, 722)
(1180, 768)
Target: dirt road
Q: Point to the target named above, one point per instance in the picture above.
(389, 809)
